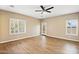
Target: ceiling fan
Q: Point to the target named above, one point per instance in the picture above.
(44, 9)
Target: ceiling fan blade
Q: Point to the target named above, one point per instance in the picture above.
(41, 12)
(48, 11)
(42, 7)
(38, 10)
(49, 8)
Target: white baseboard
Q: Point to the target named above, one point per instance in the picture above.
(16, 39)
(64, 38)
(38, 35)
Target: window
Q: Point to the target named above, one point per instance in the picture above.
(17, 26)
(72, 27)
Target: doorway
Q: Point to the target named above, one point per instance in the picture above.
(43, 28)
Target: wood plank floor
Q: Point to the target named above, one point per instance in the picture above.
(40, 45)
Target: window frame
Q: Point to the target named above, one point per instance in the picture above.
(76, 28)
(17, 21)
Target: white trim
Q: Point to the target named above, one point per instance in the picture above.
(63, 38)
(17, 39)
(38, 35)
(77, 26)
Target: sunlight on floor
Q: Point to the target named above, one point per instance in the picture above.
(43, 41)
(70, 48)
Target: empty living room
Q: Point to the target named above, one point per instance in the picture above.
(39, 29)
